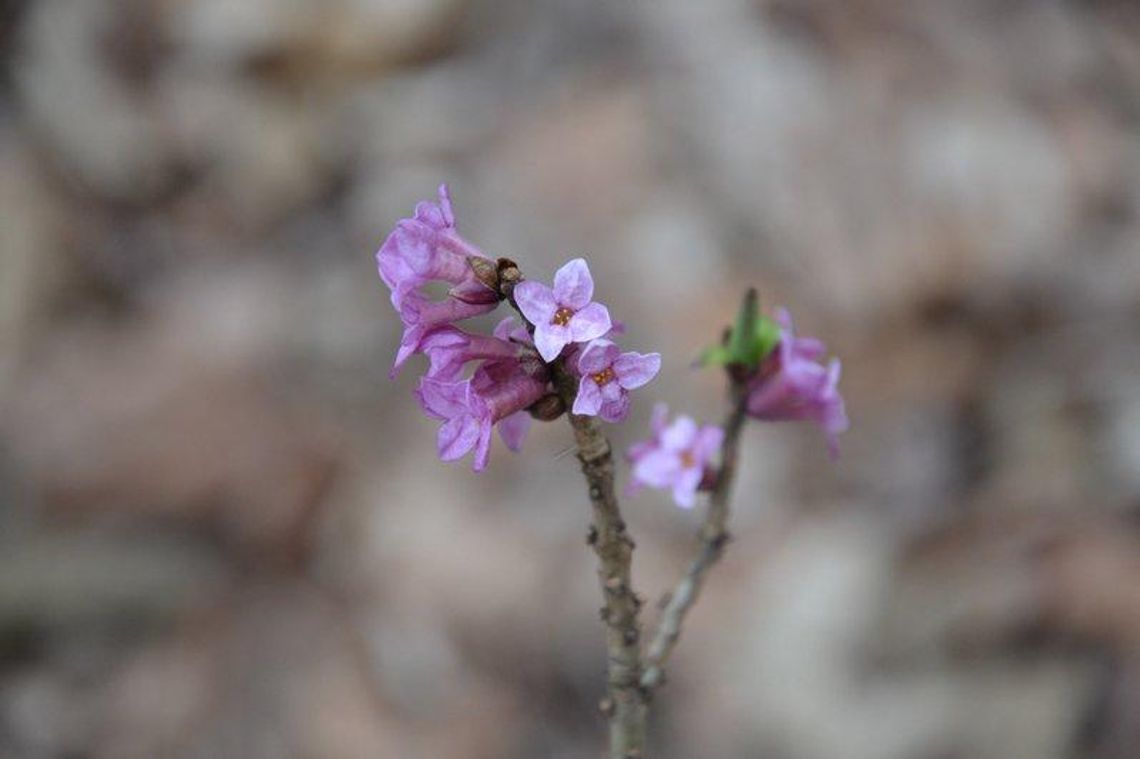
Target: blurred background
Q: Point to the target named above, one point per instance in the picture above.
(225, 533)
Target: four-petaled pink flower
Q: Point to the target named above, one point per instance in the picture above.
(606, 377)
(676, 457)
(792, 385)
(564, 314)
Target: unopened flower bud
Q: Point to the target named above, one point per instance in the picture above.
(509, 276)
(548, 408)
(485, 271)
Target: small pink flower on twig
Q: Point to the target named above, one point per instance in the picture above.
(676, 457)
(565, 314)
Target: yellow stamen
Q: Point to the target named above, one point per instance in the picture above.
(605, 376)
(561, 317)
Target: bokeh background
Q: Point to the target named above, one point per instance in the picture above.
(224, 531)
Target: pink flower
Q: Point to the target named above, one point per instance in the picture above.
(792, 385)
(606, 377)
(676, 457)
(565, 314)
(497, 393)
(428, 248)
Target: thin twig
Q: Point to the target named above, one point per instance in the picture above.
(713, 537)
(625, 705)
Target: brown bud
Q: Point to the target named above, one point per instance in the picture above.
(485, 271)
(508, 275)
(548, 408)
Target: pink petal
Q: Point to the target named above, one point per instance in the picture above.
(409, 344)
(457, 436)
(680, 435)
(592, 321)
(784, 319)
(536, 301)
(550, 339)
(834, 369)
(635, 369)
(640, 450)
(482, 448)
(589, 400)
(597, 356)
(709, 440)
(808, 348)
(658, 469)
(685, 487)
(445, 206)
(444, 400)
(612, 392)
(513, 430)
(445, 337)
(615, 411)
(573, 285)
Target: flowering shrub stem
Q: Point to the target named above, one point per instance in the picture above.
(625, 705)
(563, 359)
(713, 537)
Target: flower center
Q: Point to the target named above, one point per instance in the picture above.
(561, 316)
(688, 460)
(604, 377)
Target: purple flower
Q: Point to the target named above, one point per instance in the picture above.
(676, 457)
(792, 384)
(422, 317)
(606, 377)
(449, 349)
(565, 314)
(498, 392)
(428, 248)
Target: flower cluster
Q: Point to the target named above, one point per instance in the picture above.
(566, 315)
(427, 248)
(786, 382)
(513, 373)
(792, 384)
(677, 457)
